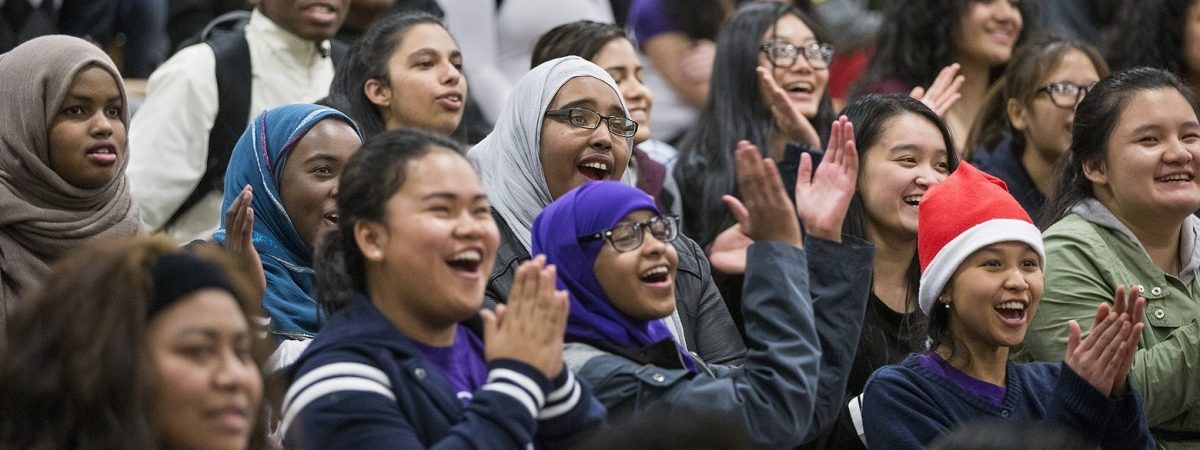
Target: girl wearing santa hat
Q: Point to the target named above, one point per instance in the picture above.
(981, 282)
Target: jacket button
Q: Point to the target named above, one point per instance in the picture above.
(658, 378)
(1141, 289)
(1158, 314)
(419, 373)
(1005, 413)
(1156, 291)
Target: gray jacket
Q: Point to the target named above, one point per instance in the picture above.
(708, 330)
(793, 379)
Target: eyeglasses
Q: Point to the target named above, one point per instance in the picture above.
(784, 55)
(1065, 94)
(628, 236)
(586, 118)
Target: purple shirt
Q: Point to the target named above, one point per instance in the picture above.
(991, 393)
(461, 364)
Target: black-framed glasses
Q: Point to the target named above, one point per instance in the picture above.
(628, 236)
(784, 55)
(1065, 94)
(586, 118)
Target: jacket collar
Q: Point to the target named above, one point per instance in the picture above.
(1095, 212)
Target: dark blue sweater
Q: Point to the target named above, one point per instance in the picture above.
(363, 384)
(907, 407)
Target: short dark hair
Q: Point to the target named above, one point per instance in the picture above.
(583, 38)
(375, 173)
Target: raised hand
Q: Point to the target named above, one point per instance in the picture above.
(728, 252)
(531, 326)
(790, 121)
(823, 196)
(1130, 305)
(943, 93)
(765, 213)
(239, 236)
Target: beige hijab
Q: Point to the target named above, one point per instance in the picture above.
(42, 216)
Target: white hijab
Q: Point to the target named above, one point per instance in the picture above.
(509, 160)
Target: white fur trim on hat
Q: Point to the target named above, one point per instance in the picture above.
(943, 266)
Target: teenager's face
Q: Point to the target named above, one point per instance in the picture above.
(619, 59)
(1153, 159)
(314, 20)
(87, 134)
(909, 157)
(993, 295)
(572, 155)
(1046, 126)
(639, 282)
(804, 84)
(425, 87)
(988, 31)
(439, 242)
(308, 186)
(207, 387)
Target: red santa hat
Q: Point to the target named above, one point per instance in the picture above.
(968, 211)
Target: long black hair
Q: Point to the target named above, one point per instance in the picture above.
(872, 115)
(375, 173)
(735, 111)
(916, 41)
(368, 60)
(1152, 33)
(1095, 118)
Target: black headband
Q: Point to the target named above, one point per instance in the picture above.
(178, 274)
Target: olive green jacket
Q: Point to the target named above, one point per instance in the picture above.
(1085, 261)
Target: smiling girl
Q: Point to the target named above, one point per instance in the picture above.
(981, 284)
(920, 36)
(564, 125)
(1122, 214)
(612, 245)
(396, 366)
(280, 198)
(62, 157)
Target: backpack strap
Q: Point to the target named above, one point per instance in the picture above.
(234, 77)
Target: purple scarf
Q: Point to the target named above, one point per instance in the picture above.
(583, 211)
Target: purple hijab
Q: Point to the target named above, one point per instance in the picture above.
(586, 210)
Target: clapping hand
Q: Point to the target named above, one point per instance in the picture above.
(823, 196)
(1105, 357)
(943, 93)
(530, 327)
(239, 236)
(764, 213)
(790, 121)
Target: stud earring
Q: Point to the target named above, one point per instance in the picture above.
(947, 306)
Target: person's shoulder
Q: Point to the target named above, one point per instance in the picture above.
(1071, 227)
